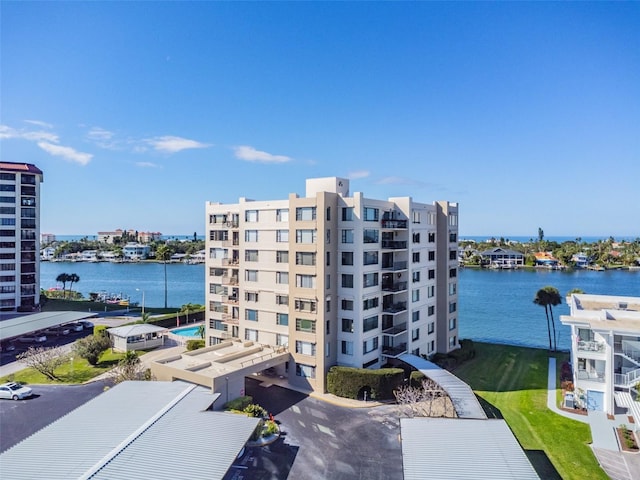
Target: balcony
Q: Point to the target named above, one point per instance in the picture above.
(394, 224)
(394, 352)
(394, 244)
(394, 286)
(232, 280)
(232, 299)
(227, 262)
(591, 376)
(395, 308)
(395, 330)
(591, 346)
(396, 266)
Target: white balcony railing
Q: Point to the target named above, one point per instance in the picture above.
(591, 346)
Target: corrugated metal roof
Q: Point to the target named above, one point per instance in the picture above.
(137, 329)
(464, 400)
(155, 430)
(18, 326)
(453, 448)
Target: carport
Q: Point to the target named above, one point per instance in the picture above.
(22, 325)
(140, 336)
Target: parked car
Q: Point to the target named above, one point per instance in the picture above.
(57, 331)
(75, 327)
(86, 323)
(14, 391)
(7, 347)
(33, 338)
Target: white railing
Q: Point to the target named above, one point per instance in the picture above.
(627, 379)
(591, 375)
(591, 346)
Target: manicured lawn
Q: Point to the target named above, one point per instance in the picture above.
(78, 371)
(513, 381)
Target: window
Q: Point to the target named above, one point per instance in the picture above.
(305, 258)
(327, 306)
(370, 345)
(370, 258)
(282, 340)
(217, 325)
(452, 341)
(306, 281)
(415, 276)
(328, 240)
(370, 214)
(431, 310)
(347, 236)
(452, 324)
(415, 216)
(347, 347)
(251, 335)
(251, 315)
(431, 328)
(251, 255)
(305, 236)
(282, 215)
(416, 237)
(282, 256)
(369, 303)
(431, 291)
(432, 255)
(415, 334)
(431, 274)
(347, 214)
(369, 280)
(432, 237)
(453, 237)
(7, 188)
(328, 259)
(305, 213)
(251, 216)
(282, 278)
(415, 256)
(453, 273)
(251, 296)
(347, 304)
(370, 323)
(251, 275)
(8, 221)
(304, 305)
(282, 236)
(282, 299)
(415, 316)
(327, 327)
(308, 326)
(305, 348)
(251, 235)
(347, 280)
(282, 319)
(347, 325)
(370, 236)
(347, 258)
(452, 307)
(305, 371)
(415, 295)
(328, 214)
(452, 288)
(453, 255)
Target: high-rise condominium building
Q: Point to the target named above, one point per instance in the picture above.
(336, 279)
(19, 236)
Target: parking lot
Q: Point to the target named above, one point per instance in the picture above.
(8, 356)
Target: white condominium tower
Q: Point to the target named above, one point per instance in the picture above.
(336, 279)
(19, 236)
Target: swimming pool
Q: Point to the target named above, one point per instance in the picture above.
(187, 332)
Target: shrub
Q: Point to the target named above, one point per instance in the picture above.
(90, 348)
(255, 410)
(271, 427)
(416, 378)
(100, 330)
(347, 382)
(467, 351)
(194, 344)
(239, 403)
(567, 385)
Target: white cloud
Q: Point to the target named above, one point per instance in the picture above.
(147, 165)
(250, 154)
(7, 132)
(67, 153)
(98, 133)
(39, 123)
(170, 144)
(358, 174)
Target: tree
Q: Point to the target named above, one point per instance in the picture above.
(549, 297)
(90, 348)
(420, 401)
(188, 308)
(73, 278)
(164, 253)
(201, 331)
(129, 368)
(63, 278)
(44, 360)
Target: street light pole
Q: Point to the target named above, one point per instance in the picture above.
(138, 290)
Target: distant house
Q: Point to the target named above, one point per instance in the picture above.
(135, 251)
(89, 256)
(545, 259)
(502, 257)
(148, 237)
(580, 260)
(47, 253)
(47, 238)
(109, 237)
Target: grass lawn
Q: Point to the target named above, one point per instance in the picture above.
(512, 381)
(78, 371)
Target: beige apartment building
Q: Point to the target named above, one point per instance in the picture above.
(336, 278)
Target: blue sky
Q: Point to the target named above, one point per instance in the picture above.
(527, 114)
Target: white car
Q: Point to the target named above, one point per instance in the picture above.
(75, 327)
(33, 338)
(14, 391)
(57, 331)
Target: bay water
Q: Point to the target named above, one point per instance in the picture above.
(494, 305)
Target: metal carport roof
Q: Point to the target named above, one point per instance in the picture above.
(18, 326)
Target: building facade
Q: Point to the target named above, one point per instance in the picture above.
(605, 348)
(19, 236)
(337, 279)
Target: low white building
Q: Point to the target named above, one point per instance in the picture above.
(141, 336)
(605, 348)
(135, 251)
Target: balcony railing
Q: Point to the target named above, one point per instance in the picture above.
(395, 330)
(591, 375)
(591, 346)
(394, 287)
(394, 224)
(627, 379)
(233, 280)
(395, 307)
(394, 244)
(230, 261)
(395, 266)
(394, 352)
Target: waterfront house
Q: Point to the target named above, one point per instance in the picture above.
(545, 259)
(502, 257)
(135, 251)
(47, 253)
(88, 256)
(580, 260)
(605, 350)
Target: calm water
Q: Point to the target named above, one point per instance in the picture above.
(494, 306)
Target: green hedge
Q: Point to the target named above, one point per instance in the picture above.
(347, 382)
(451, 360)
(194, 344)
(239, 403)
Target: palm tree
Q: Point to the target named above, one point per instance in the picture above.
(63, 278)
(547, 297)
(201, 331)
(73, 278)
(188, 308)
(164, 253)
(542, 300)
